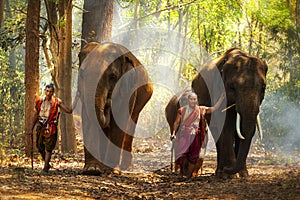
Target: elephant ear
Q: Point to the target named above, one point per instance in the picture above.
(128, 76)
(265, 67)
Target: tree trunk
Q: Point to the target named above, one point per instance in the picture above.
(67, 129)
(298, 13)
(136, 24)
(31, 68)
(14, 93)
(1, 12)
(199, 29)
(180, 23)
(54, 41)
(97, 21)
(181, 60)
(60, 61)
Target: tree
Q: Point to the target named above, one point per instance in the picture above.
(97, 21)
(31, 67)
(65, 74)
(1, 11)
(60, 62)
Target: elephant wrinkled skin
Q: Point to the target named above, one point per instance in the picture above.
(114, 87)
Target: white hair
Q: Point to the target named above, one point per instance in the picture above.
(192, 94)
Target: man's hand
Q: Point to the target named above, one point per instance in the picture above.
(173, 136)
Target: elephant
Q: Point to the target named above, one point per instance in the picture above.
(113, 87)
(177, 101)
(233, 125)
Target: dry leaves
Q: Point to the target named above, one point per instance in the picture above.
(267, 180)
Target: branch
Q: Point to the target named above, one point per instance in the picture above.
(158, 11)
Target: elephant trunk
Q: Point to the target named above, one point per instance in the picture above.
(247, 129)
(248, 126)
(104, 113)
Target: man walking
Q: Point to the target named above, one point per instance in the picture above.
(45, 120)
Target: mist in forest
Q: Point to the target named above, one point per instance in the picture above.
(280, 121)
(163, 53)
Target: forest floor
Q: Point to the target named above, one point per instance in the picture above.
(151, 178)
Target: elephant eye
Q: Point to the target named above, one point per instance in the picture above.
(112, 77)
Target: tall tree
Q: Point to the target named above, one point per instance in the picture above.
(31, 67)
(59, 60)
(1, 11)
(65, 74)
(298, 12)
(97, 21)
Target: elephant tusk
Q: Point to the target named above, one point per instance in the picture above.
(259, 127)
(238, 129)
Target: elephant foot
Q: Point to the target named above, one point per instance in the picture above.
(223, 175)
(229, 170)
(241, 173)
(95, 169)
(244, 173)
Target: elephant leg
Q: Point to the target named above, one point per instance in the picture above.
(126, 161)
(240, 166)
(92, 165)
(218, 147)
(219, 167)
(114, 148)
(236, 146)
(243, 172)
(226, 155)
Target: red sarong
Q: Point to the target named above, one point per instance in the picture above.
(190, 136)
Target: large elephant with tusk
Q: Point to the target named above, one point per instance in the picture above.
(243, 77)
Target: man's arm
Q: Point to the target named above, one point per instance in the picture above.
(64, 107)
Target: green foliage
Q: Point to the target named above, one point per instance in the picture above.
(12, 33)
(11, 101)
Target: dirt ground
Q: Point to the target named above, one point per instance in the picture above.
(269, 179)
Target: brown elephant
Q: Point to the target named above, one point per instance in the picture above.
(113, 87)
(243, 77)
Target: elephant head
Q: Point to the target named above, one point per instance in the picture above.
(108, 83)
(244, 80)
